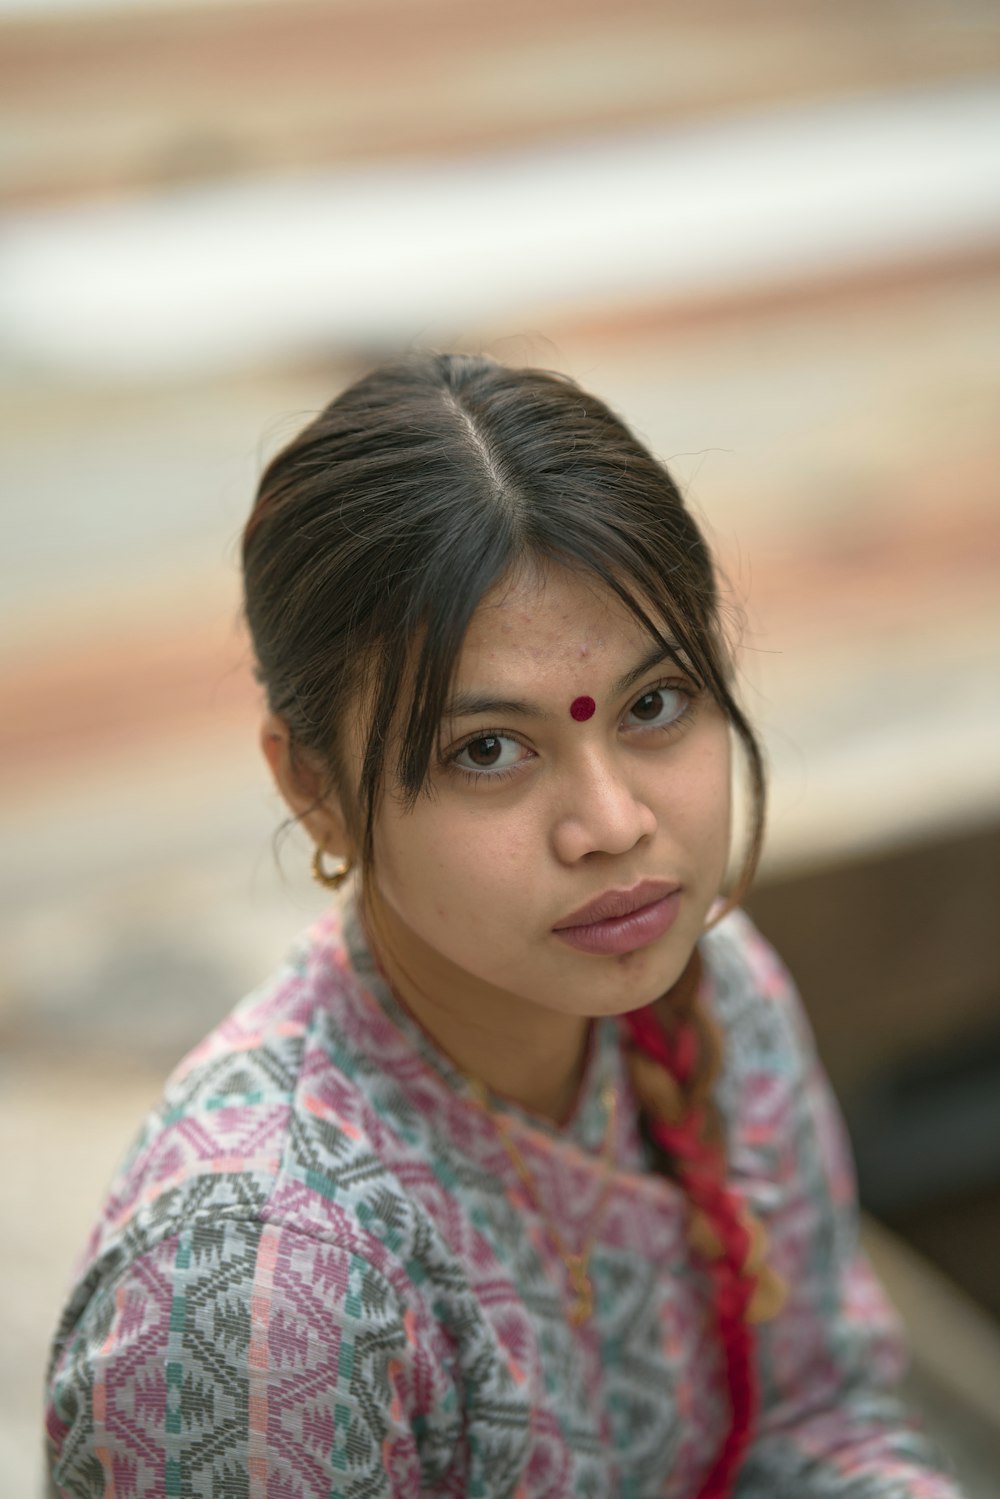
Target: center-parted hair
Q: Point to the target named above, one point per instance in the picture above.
(379, 529)
(375, 536)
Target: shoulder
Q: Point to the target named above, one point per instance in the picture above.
(768, 1044)
(240, 1135)
(228, 1101)
(743, 965)
(234, 1253)
(246, 1326)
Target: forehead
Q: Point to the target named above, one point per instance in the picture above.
(544, 621)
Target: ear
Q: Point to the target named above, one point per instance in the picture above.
(301, 783)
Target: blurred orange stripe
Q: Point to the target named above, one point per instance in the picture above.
(159, 682)
(204, 93)
(148, 682)
(852, 286)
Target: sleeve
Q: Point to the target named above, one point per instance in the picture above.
(244, 1358)
(829, 1425)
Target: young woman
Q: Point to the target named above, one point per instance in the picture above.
(521, 1178)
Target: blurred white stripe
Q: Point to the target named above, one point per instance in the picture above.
(212, 277)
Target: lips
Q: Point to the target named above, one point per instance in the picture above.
(620, 922)
(614, 904)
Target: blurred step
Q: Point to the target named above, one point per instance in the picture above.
(152, 95)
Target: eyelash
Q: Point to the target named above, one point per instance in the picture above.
(477, 777)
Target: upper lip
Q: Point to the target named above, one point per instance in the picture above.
(618, 903)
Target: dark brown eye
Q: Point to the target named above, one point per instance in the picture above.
(484, 752)
(489, 754)
(661, 707)
(649, 706)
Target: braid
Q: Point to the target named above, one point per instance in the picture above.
(675, 1056)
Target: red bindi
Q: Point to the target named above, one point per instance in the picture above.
(582, 708)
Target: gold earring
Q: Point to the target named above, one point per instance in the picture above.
(332, 880)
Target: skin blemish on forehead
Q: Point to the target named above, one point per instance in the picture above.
(582, 708)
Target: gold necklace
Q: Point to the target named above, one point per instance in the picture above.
(582, 1306)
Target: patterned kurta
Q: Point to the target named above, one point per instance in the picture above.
(318, 1273)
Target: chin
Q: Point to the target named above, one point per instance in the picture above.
(636, 986)
(664, 969)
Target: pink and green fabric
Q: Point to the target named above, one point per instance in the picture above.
(317, 1274)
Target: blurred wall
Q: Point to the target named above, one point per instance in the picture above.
(768, 233)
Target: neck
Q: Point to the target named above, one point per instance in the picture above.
(529, 1055)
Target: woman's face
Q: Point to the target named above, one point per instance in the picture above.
(574, 769)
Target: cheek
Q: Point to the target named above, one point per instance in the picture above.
(438, 862)
(702, 793)
(409, 855)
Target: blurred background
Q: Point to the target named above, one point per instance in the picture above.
(768, 232)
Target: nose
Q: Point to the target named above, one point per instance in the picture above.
(602, 812)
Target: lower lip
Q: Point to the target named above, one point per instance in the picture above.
(620, 934)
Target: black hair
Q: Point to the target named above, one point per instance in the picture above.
(378, 530)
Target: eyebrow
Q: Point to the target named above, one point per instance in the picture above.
(471, 704)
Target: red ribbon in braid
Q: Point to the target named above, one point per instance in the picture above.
(690, 1135)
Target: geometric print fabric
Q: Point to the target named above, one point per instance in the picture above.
(317, 1273)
